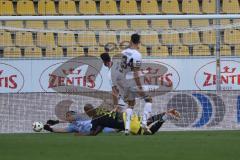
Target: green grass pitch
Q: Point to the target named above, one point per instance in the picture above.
(218, 145)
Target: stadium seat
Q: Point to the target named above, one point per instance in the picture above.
(180, 24)
(97, 25)
(53, 25)
(170, 7)
(236, 21)
(209, 6)
(25, 7)
(12, 52)
(209, 37)
(225, 50)
(159, 50)
(231, 36)
(191, 38)
(66, 39)
(6, 8)
(14, 24)
(77, 25)
(143, 50)
(87, 7)
(201, 50)
(190, 7)
(75, 51)
(230, 6)
(200, 23)
(160, 24)
(95, 51)
(125, 36)
(180, 51)
(237, 50)
(33, 52)
(108, 7)
(46, 7)
(45, 39)
(149, 7)
(67, 7)
(139, 24)
(106, 37)
(35, 24)
(54, 52)
(5, 39)
(118, 24)
(128, 7)
(24, 39)
(170, 38)
(87, 38)
(149, 38)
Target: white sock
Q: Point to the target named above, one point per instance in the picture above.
(165, 117)
(129, 112)
(147, 110)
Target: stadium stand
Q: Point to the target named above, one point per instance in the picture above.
(160, 24)
(5, 39)
(25, 7)
(108, 7)
(170, 7)
(149, 7)
(107, 37)
(149, 38)
(201, 50)
(77, 25)
(191, 38)
(24, 39)
(209, 37)
(75, 51)
(118, 25)
(35, 24)
(170, 38)
(190, 7)
(209, 6)
(128, 7)
(33, 52)
(6, 8)
(97, 25)
(14, 24)
(180, 51)
(159, 50)
(230, 6)
(53, 25)
(54, 52)
(66, 39)
(67, 7)
(46, 7)
(87, 7)
(225, 50)
(139, 24)
(12, 52)
(180, 24)
(89, 40)
(45, 39)
(231, 36)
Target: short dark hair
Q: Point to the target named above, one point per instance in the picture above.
(105, 57)
(71, 113)
(135, 38)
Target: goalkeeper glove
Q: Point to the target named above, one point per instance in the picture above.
(48, 128)
(52, 122)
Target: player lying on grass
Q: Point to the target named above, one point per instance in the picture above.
(102, 118)
(76, 125)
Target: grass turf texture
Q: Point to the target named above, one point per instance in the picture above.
(221, 145)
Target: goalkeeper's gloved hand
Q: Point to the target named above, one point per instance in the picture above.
(48, 128)
(52, 122)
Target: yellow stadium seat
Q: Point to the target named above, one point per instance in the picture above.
(118, 24)
(149, 7)
(236, 21)
(200, 23)
(180, 24)
(95, 51)
(170, 38)
(149, 38)
(191, 38)
(230, 6)
(25, 7)
(45, 39)
(225, 50)
(143, 50)
(160, 24)
(209, 6)
(14, 24)
(77, 25)
(67, 7)
(125, 36)
(33, 52)
(87, 7)
(139, 24)
(190, 7)
(108, 7)
(106, 37)
(159, 50)
(46, 7)
(24, 39)
(75, 51)
(97, 25)
(237, 50)
(54, 52)
(180, 51)
(12, 52)
(170, 7)
(35, 24)
(209, 37)
(56, 25)
(6, 8)
(5, 39)
(231, 36)
(87, 38)
(128, 7)
(66, 39)
(201, 50)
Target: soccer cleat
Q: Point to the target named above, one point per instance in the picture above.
(146, 131)
(173, 113)
(126, 132)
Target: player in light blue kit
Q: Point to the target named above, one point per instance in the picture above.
(76, 125)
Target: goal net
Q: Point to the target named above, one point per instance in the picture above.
(48, 67)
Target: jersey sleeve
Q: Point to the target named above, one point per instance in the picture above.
(137, 60)
(70, 128)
